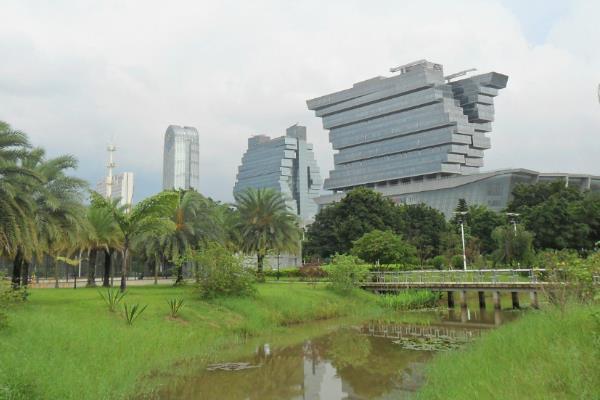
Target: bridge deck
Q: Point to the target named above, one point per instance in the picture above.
(452, 286)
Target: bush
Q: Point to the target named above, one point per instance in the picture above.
(438, 262)
(457, 262)
(283, 273)
(391, 267)
(221, 273)
(312, 273)
(8, 297)
(346, 272)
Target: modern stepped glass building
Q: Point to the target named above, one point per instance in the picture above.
(419, 137)
(285, 164)
(409, 126)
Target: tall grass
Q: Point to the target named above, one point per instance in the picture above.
(65, 344)
(409, 300)
(544, 355)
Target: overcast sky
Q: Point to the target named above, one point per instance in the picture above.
(74, 74)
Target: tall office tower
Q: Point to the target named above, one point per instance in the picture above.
(412, 126)
(286, 164)
(120, 188)
(181, 158)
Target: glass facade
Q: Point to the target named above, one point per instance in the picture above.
(181, 158)
(408, 126)
(285, 164)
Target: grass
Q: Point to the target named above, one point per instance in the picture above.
(65, 344)
(409, 300)
(543, 355)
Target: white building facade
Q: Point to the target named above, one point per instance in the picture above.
(121, 188)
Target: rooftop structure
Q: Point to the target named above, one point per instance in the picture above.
(411, 126)
(181, 158)
(285, 164)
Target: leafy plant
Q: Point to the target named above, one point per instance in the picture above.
(132, 313)
(112, 298)
(221, 273)
(346, 272)
(175, 305)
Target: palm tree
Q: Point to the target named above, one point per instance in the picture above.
(149, 215)
(59, 213)
(265, 223)
(193, 224)
(102, 235)
(16, 208)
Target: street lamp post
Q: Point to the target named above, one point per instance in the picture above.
(462, 236)
(513, 219)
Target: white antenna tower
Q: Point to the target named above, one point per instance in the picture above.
(111, 148)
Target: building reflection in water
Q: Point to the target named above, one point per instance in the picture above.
(350, 363)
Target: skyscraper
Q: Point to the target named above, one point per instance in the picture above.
(181, 158)
(413, 125)
(285, 164)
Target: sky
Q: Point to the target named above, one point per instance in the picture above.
(75, 75)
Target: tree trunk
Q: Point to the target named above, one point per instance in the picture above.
(179, 279)
(91, 278)
(107, 266)
(124, 268)
(17, 264)
(156, 261)
(25, 279)
(55, 263)
(259, 267)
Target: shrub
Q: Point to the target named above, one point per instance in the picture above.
(283, 273)
(221, 273)
(312, 273)
(346, 272)
(457, 262)
(112, 298)
(174, 306)
(8, 297)
(132, 313)
(438, 262)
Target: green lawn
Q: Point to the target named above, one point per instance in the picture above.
(65, 344)
(543, 355)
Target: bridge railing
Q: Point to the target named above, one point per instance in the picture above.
(525, 275)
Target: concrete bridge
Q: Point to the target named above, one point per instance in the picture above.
(496, 281)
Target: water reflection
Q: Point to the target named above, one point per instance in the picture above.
(359, 362)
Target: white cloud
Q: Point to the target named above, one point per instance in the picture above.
(76, 73)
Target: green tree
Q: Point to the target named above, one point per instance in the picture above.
(58, 210)
(264, 223)
(193, 221)
(101, 235)
(423, 227)
(16, 206)
(384, 247)
(559, 216)
(149, 215)
(513, 247)
(481, 222)
(338, 225)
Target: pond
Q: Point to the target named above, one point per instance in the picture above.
(370, 360)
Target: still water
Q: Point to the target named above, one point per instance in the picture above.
(370, 360)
